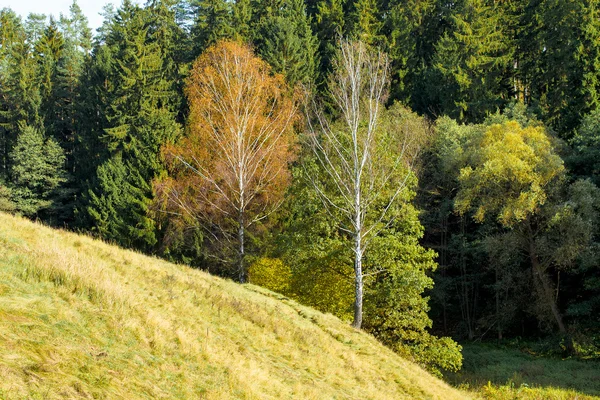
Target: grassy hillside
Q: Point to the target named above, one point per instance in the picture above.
(82, 319)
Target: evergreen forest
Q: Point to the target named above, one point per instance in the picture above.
(427, 171)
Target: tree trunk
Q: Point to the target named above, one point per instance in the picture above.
(241, 250)
(358, 283)
(498, 319)
(358, 254)
(466, 297)
(547, 291)
(443, 267)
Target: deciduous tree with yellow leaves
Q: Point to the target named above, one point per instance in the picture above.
(231, 170)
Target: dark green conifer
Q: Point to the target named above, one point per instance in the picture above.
(283, 37)
(137, 115)
(12, 34)
(19, 90)
(365, 22)
(470, 66)
(562, 45)
(411, 29)
(328, 26)
(48, 49)
(213, 22)
(37, 173)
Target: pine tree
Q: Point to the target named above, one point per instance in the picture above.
(76, 29)
(35, 25)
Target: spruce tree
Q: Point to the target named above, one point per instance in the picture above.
(365, 24)
(20, 98)
(411, 29)
(213, 21)
(12, 34)
(470, 66)
(328, 26)
(65, 96)
(283, 37)
(48, 50)
(37, 173)
(137, 115)
(563, 57)
(241, 19)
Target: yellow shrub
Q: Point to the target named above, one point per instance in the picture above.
(272, 274)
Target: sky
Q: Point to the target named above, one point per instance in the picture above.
(91, 8)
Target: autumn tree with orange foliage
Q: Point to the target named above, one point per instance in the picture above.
(231, 170)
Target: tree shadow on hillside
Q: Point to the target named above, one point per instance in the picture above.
(499, 366)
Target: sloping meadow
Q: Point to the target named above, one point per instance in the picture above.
(82, 319)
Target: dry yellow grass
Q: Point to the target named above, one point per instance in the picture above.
(83, 319)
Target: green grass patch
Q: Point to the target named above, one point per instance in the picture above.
(500, 372)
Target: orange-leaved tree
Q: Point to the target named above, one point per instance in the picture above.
(231, 169)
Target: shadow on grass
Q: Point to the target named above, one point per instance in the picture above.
(502, 366)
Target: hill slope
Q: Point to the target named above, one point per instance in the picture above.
(83, 319)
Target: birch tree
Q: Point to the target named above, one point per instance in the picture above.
(231, 170)
(365, 167)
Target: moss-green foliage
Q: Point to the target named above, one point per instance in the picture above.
(321, 265)
(514, 174)
(395, 305)
(508, 176)
(6, 203)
